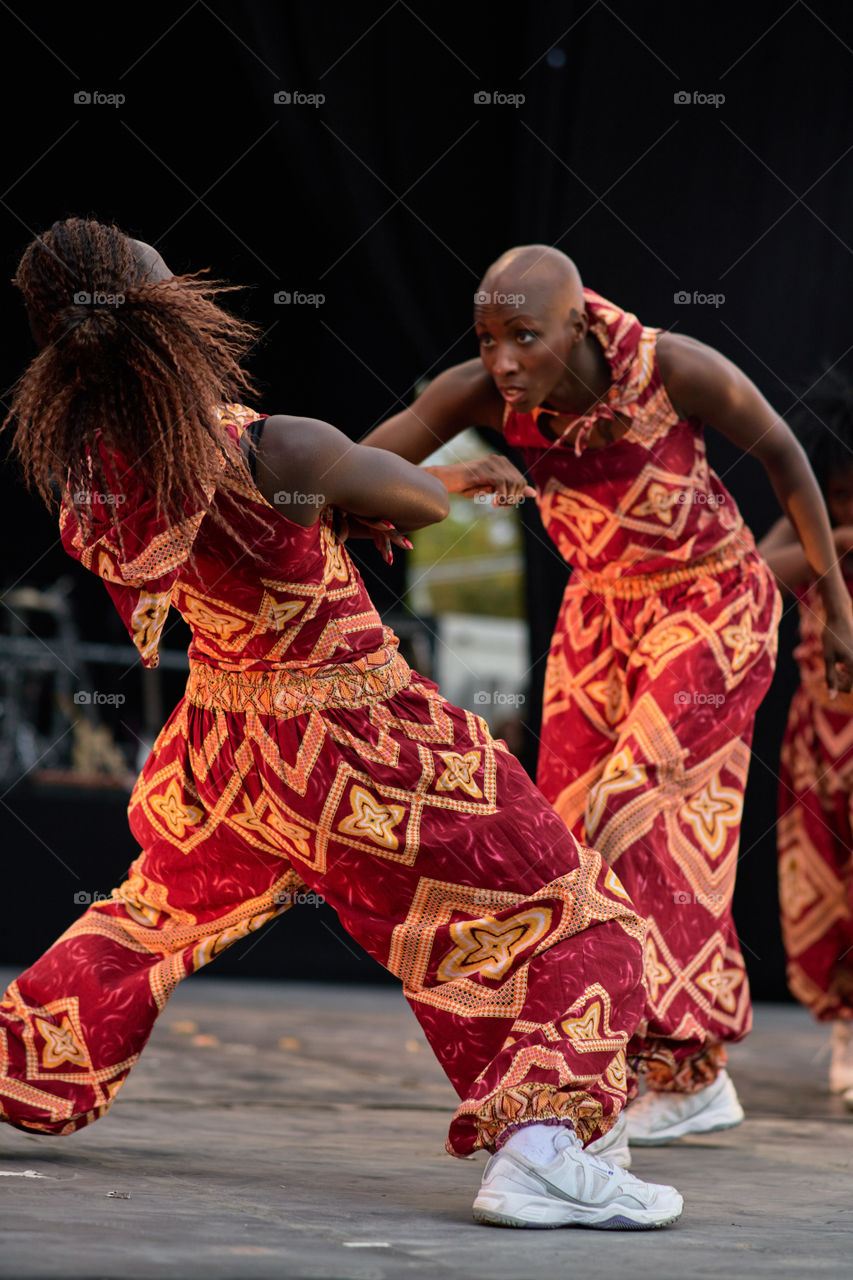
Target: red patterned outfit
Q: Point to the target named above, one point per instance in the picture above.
(306, 752)
(664, 647)
(815, 831)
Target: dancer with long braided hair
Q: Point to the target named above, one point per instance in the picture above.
(305, 752)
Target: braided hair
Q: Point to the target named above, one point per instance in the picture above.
(143, 361)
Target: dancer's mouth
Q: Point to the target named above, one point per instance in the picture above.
(512, 394)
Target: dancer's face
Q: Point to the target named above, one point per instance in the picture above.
(839, 497)
(525, 343)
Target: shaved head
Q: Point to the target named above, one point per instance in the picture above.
(148, 258)
(540, 272)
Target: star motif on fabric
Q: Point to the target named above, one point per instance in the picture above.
(620, 774)
(661, 641)
(336, 566)
(459, 772)
(742, 639)
(611, 693)
(585, 1028)
(202, 616)
(146, 621)
(712, 812)
(60, 1044)
(489, 946)
(795, 889)
(721, 983)
(284, 611)
(372, 819)
(570, 511)
(171, 808)
(266, 822)
(655, 971)
(659, 502)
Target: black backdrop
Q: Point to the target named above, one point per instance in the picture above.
(389, 198)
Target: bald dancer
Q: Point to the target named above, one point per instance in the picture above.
(666, 639)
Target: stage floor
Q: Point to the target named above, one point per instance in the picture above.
(289, 1130)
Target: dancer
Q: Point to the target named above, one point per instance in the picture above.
(666, 640)
(305, 752)
(814, 832)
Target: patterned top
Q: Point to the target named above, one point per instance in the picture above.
(299, 601)
(647, 503)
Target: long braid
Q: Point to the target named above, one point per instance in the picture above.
(145, 362)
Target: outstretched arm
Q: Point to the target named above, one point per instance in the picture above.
(702, 383)
(461, 397)
(782, 551)
(304, 464)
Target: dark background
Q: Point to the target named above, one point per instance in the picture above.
(390, 199)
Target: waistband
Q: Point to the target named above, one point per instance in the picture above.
(636, 585)
(291, 691)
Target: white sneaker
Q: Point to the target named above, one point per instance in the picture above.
(613, 1147)
(841, 1063)
(574, 1190)
(659, 1118)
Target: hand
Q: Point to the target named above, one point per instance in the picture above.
(494, 474)
(838, 652)
(345, 525)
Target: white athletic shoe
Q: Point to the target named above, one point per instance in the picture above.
(659, 1118)
(574, 1190)
(841, 1063)
(613, 1147)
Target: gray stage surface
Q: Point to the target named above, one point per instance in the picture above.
(289, 1130)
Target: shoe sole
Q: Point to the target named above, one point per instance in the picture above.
(497, 1215)
(664, 1139)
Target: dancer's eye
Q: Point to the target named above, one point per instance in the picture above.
(485, 339)
(526, 336)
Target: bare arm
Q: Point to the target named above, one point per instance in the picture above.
(782, 551)
(458, 398)
(702, 383)
(304, 464)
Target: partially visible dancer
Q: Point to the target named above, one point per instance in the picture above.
(666, 640)
(815, 827)
(305, 752)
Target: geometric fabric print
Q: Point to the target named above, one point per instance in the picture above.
(263, 820)
(611, 692)
(742, 639)
(620, 774)
(459, 772)
(655, 971)
(490, 946)
(712, 813)
(60, 1044)
(174, 812)
(199, 614)
(590, 1031)
(721, 984)
(372, 820)
(659, 502)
